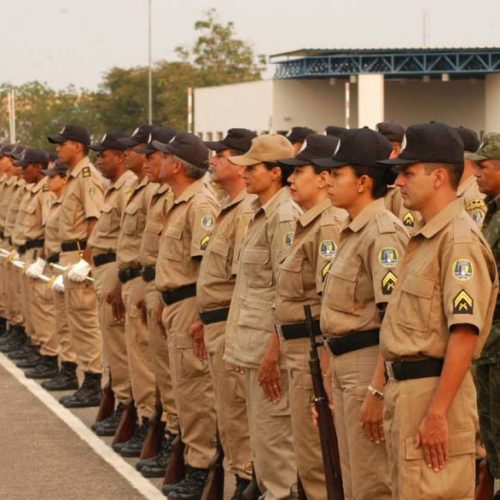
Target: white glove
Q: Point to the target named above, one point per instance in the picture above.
(13, 255)
(18, 263)
(58, 284)
(78, 272)
(36, 269)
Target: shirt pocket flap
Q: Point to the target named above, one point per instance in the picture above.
(30, 209)
(255, 256)
(459, 443)
(220, 248)
(173, 232)
(107, 208)
(292, 265)
(153, 227)
(416, 284)
(132, 209)
(345, 271)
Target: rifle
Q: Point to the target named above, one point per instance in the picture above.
(327, 434)
(156, 431)
(214, 487)
(127, 425)
(176, 469)
(107, 406)
(485, 485)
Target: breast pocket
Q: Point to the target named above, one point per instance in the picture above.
(257, 267)
(69, 211)
(217, 260)
(291, 282)
(174, 248)
(342, 286)
(106, 219)
(415, 301)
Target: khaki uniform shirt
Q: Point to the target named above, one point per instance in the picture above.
(267, 242)
(364, 271)
(302, 274)
(133, 224)
(36, 210)
(18, 235)
(448, 277)
(394, 203)
(82, 200)
(185, 236)
(161, 201)
(104, 237)
(13, 210)
(473, 200)
(10, 187)
(52, 223)
(218, 268)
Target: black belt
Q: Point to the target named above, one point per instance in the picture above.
(209, 317)
(21, 249)
(496, 314)
(148, 273)
(129, 274)
(178, 294)
(405, 369)
(104, 258)
(34, 244)
(71, 246)
(53, 259)
(292, 331)
(342, 344)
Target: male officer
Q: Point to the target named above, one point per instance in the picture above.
(103, 241)
(81, 207)
(438, 318)
(487, 365)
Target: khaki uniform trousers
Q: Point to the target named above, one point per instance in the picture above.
(13, 307)
(230, 403)
(22, 297)
(271, 439)
(193, 389)
(140, 367)
(113, 333)
(158, 345)
(3, 277)
(365, 471)
(305, 436)
(83, 322)
(405, 405)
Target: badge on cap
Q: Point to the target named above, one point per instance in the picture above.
(388, 257)
(63, 130)
(104, 137)
(207, 222)
(404, 142)
(135, 132)
(409, 219)
(462, 270)
(204, 242)
(388, 283)
(463, 303)
(325, 269)
(304, 146)
(328, 249)
(289, 239)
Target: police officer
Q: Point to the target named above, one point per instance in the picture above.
(300, 281)
(358, 287)
(297, 136)
(487, 366)
(254, 345)
(394, 133)
(437, 320)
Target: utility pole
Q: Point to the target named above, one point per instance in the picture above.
(150, 68)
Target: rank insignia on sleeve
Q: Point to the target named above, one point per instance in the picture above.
(462, 270)
(388, 283)
(204, 242)
(463, 303)
(207, 222)
(86, 172)
(475, 204)
(327, 249)
(388, 257)
(408, 219)
(325, 269)
(289, 239)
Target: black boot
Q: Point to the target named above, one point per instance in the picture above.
(30, 361)
(157, 466)
(241, 485)
(16, 340)
(88, 395)
(65, 380)
(190, 488)
(133, 447)
(24, 351)
(108, 426)
(47, 368)
(251, 492)
(3, 326)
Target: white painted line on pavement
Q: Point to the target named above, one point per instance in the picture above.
(137, 481)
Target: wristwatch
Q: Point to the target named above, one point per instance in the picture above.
(375, 392)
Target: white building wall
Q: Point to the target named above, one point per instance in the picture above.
(492, 104)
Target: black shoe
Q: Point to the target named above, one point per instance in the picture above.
(133, 447)
(241, 485)
(251, 492)
(190, 488)
(30, 361)
(47, 368)
(3, 326)
(157, 466)
(88, 395)
(24, 351)
(15, 341)
(65, 380)
(108, 426)
(15, 332)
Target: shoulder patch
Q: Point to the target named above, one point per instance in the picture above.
(462, 270)
(385, 224)
(204, 242)
(328, 249)
(289, 239)
(388, 283)
(463, 303)
(207, 222)
(325, 269)
(388, 257)
(409, 219)
(462, 229)
(86, 172)
(475, 204)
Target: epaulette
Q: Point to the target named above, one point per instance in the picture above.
(463, 227)
(385, 223)
(287, 210)
(86, 172)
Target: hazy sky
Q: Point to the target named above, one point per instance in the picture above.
(76, 41)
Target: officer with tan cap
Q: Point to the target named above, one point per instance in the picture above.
(254, 344)
(300, 282)
(103, 241)
(81, 207)
(437, 320)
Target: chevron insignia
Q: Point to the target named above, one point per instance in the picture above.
(463, 303)
(388, 283)
(325, 269)
(408, 219)
(204, 242)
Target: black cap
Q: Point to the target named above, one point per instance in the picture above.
(111, 140)
(430, 143)
(236, 138)
(32, 156)
(159, 134)
(469, 138)
(188, 147)
(53, 156)
(59, 168)
(298, 134)
(5, 149)
(315, 146)
(359, 146)
(14, 151)
(139, 136)
(335, 130)
(393, 131)
(71, 132)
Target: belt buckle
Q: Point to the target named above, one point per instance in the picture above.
(279, 330)
(324, 340)
(389, 371)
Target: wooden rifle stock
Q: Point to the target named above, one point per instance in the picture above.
(107, 406)
(486, 483)
(327, 434)
(156, 431)
(214, 487)
(176, 469)
(127, 425)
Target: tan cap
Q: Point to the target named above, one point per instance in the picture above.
(265, 148)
